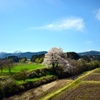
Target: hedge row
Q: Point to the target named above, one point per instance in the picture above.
(9, 87)
(33, 74)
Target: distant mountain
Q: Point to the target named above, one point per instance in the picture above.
(89, 53)
(2, 54)
(28, 55)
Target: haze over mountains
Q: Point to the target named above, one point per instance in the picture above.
(92, 52)
(28, 55)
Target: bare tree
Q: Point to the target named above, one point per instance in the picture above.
(9, 65)
(6, 64)
(2, 65)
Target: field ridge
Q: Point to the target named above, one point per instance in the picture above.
(50, 96)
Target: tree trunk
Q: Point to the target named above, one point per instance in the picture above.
(53, 68)
(53, 65)
(9, 70)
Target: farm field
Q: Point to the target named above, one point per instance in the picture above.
(30, 67)
(34, 76)
(87, 89)
(19, 66)
(16, 78)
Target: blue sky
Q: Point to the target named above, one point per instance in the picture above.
(39, 25)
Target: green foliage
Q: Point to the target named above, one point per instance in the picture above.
(13, 58)
(49, 77)
(40, 72)
(9, 87)
(22, 75)
(86, 58)
(93, 64)
(59, 71)
(23, 60)
(30, 83)
(73, 55)
(37, 58)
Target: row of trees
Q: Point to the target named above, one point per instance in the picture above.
(64, 64)
(35, 58)
(16, 59)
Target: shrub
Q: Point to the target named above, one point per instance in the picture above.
(82, 65)
(33, 84)
(93, 64)
(40, 72)
(7, 88)
(22, 75)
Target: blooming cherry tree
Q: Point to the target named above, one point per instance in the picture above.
(56, 57)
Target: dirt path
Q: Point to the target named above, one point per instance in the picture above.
(36, 93)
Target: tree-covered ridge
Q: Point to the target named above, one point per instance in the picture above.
(28, 55)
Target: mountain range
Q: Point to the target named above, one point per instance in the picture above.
(28, 55)
(92, 52)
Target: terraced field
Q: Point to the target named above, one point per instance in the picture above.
(92, 77)
(82, 92)
(87, 89)
(39, 92)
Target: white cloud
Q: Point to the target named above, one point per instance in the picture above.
(65, 24)
(98, 14)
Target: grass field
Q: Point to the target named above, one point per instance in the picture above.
(87, 89)
(30, 67)
(19, 66)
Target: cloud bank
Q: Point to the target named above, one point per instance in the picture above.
(65, 24)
